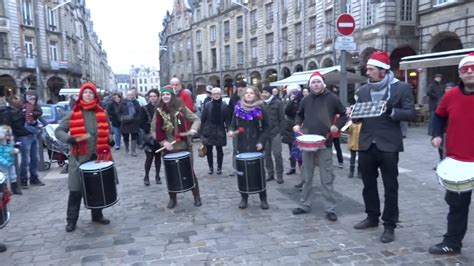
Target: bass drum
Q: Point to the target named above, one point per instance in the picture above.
(179, 172)
(250, 172)
(98, 184)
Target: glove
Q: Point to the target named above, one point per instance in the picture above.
(111, 142)
(388, 110)
(71, 141)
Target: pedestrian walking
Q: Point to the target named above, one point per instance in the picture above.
(213, 130)
(151, 145)
(129, 122)
(113, 112)
(88, 132)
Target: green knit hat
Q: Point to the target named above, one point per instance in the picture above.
(167, 89)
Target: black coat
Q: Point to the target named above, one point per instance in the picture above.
(256, 131)
(276, 116)
(291, 109)
(211, 133)
(129, 125)
(15, 118)
(435, 92)
(113, 111)
(385, 130)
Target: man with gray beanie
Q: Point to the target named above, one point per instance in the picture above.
(275, 109)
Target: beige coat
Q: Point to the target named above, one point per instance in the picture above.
(353, 140)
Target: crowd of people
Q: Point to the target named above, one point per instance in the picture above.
(257, 121)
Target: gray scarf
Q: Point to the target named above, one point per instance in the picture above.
(378, 89)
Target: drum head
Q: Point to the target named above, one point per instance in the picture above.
(249, 155)
(310, 138)
(93, 165)
(2, 178)
(176, 155)
(454, 170)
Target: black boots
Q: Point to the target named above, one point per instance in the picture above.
(197, 196)
(172, 202)
(292, 171)
(127, 145)
(146, 180)
(73, 207)
(98, 217)
(16, 189)
(388, 235)
(3, 248)
(134, 148)
(243, 203)
(351, 172)
(263, 200)
(158, 179)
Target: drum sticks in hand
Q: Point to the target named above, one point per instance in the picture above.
(240, 130)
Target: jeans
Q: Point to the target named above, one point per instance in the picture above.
(370, 161)
(10, 172)
(117, 136)
(29, 157)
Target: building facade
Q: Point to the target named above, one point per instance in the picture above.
(123, 83)
(144, 78)
(47, 48)
(262, 41)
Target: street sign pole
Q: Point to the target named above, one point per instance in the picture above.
(345, 25)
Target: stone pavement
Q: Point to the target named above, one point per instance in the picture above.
(144, 232)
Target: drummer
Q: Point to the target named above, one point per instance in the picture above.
(455, 111)
(250, 115)
(317, 112)
(88, 132)
(169, 124)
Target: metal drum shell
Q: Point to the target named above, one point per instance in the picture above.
(250, 172)
(179, 172)
(99, 187)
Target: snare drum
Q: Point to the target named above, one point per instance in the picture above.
(179, 172)
(98, 184)
(310, 142)
(250, 172)
(456, 176)
(4, 213)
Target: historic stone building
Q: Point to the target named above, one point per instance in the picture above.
(60, 37)
(144, 78)
(262, 41)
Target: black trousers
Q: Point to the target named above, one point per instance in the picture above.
(337, 146)
(126, 136)
(149, 156)
(370, 161)
(457, 217)
(210, 156)
(262, 195)
(74, 206)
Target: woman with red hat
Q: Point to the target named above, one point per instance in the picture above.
(88, 132)
(170, 128)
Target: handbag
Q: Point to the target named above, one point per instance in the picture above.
(202, 150)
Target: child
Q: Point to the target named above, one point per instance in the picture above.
(353, 146)
(31, 124)
(7, 152)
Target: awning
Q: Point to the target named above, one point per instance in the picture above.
(332, 76)
(448, 58)
(69, 91)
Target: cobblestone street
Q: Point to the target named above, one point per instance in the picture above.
(144, 232)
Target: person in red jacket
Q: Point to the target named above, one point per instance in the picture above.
(184, 94)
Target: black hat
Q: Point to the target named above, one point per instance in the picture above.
(268, 89)
(241, 84)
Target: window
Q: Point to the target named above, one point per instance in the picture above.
(198, 37)
(253, 19)
(227, 55)
(311, 2)
(226, 29)
(406, 10)
(199, 60)
(214, 58)
(53, 50)
(254, 47)
(329, 22)
(52, 21)
(348, 7)
(298, 37)
(188, 50)
(29, 47)
(284, 40)
(27, 13)
(198, 14)
(213, 34)
(297, 5)
(312, 31)
(240, 26)
(240, 53)
(3, 45)
(440, 2)
(269, 12)
(284, 10)
(270, 48)
(144, 81)
(2, 9)
(140, 81)
(210, 9)
(369, 13)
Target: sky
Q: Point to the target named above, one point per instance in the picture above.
(129, 30)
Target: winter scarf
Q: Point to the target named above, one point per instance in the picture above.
(165, 122)
(248, 111)
(378, 89)
(77, 128)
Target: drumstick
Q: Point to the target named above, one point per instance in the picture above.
(163, 148)
(240, 130)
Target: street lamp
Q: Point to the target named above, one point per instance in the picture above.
(62, 4)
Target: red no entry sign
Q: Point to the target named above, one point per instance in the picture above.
(345, 24)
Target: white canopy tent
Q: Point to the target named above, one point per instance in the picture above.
(448, 58)
(332, 75)
(74, 91)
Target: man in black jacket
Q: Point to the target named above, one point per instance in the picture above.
(15, 118)
(275, 109)
(380, 141)
(316, 114)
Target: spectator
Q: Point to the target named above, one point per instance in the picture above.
(113, 111)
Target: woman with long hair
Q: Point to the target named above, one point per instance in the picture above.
(251, 121)
(88, 132)
(169, 124)
(150, 146)
(213, 131)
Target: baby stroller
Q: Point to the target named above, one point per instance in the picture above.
(58, 152)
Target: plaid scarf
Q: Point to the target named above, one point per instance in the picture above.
(77, 128)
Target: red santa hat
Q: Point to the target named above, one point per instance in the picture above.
(467, 59)
(379, 59)
(316, 75)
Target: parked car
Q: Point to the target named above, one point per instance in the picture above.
(53, 113)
